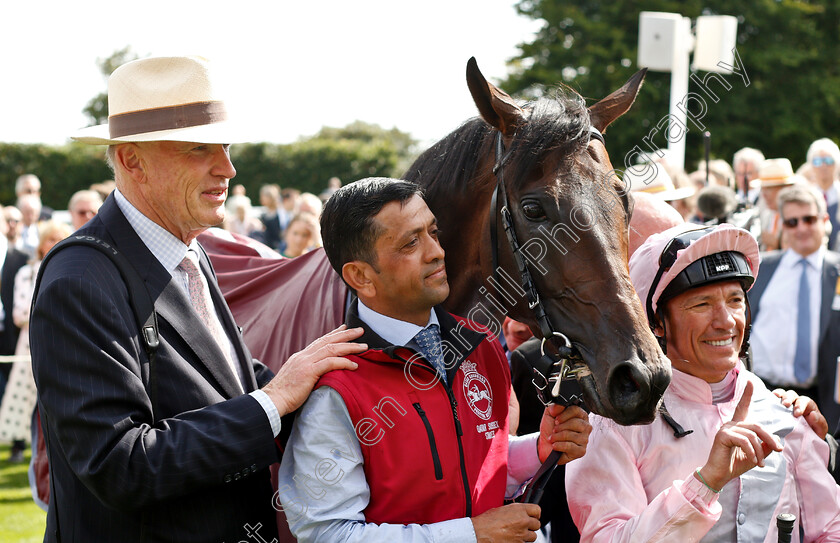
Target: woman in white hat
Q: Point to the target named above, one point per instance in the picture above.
(726, 457)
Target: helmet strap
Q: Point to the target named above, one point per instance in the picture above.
(663, 339)
(745, 345)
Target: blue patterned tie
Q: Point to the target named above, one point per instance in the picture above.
(428, 339)
(802, 358)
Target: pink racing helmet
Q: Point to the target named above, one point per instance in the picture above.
(688, 256)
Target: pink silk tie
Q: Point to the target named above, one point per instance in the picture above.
(201, 301)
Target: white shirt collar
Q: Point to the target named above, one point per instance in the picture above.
(168, 249)
(394, 331)
(791, 258)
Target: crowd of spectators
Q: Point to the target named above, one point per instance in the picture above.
(286, 219)
(29, 230)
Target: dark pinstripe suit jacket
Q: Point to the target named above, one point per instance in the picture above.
(828, 343)
(191, 467)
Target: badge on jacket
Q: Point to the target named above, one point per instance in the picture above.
(477, 391)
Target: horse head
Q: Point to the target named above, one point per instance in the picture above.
(569, 214)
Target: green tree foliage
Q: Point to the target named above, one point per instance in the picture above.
(350, 153)
(788, 48)
(97, 109)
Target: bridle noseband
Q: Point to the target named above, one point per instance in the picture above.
(499, 207)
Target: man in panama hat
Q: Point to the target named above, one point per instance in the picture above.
(774, 174)
(177, 449)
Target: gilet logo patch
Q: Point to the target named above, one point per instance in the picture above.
(477, 391)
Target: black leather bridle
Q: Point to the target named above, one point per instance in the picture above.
(499, 207)
(550, 367)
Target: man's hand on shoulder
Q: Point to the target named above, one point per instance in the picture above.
(803, 406)
(296, 378)
(511, 523)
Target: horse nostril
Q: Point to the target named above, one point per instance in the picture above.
(628, 388)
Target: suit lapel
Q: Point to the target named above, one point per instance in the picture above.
(769, 263)
(171, 303)
(832, 215)
(829, 287)
(174, 307)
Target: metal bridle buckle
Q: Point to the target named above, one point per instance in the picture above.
(562, 361)
(554, 378)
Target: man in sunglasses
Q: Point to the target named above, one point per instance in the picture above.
(824, 162)
(724, 457)
(796, 305)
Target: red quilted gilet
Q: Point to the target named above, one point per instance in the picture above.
(431, 453)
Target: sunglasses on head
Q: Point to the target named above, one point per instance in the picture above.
(793, 222)
(679, 243)
(820, 160)
(667, 259)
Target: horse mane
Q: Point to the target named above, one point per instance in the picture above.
(554, 124)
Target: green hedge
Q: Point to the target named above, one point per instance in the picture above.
(62, 170)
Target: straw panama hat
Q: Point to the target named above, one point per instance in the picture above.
(164, 99)
(661, 186)
(774, 172)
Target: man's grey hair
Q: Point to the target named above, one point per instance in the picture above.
(27, 178)
(85, 196)
(801, 194)
(825, 145)
(111, 157)
(748, 154)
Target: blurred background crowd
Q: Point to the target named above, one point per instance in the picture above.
(745, 191)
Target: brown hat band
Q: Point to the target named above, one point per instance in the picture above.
(166, 118)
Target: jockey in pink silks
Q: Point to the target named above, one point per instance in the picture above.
(727, 457)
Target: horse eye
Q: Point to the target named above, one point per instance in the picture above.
(533, 211)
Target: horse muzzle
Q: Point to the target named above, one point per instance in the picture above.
(631, 394)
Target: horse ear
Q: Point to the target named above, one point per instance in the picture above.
(616, 104)
(495, 106)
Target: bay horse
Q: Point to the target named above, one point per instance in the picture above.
(569, 212)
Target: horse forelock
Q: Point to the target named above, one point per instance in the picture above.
(557, 126)
(554, 125)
